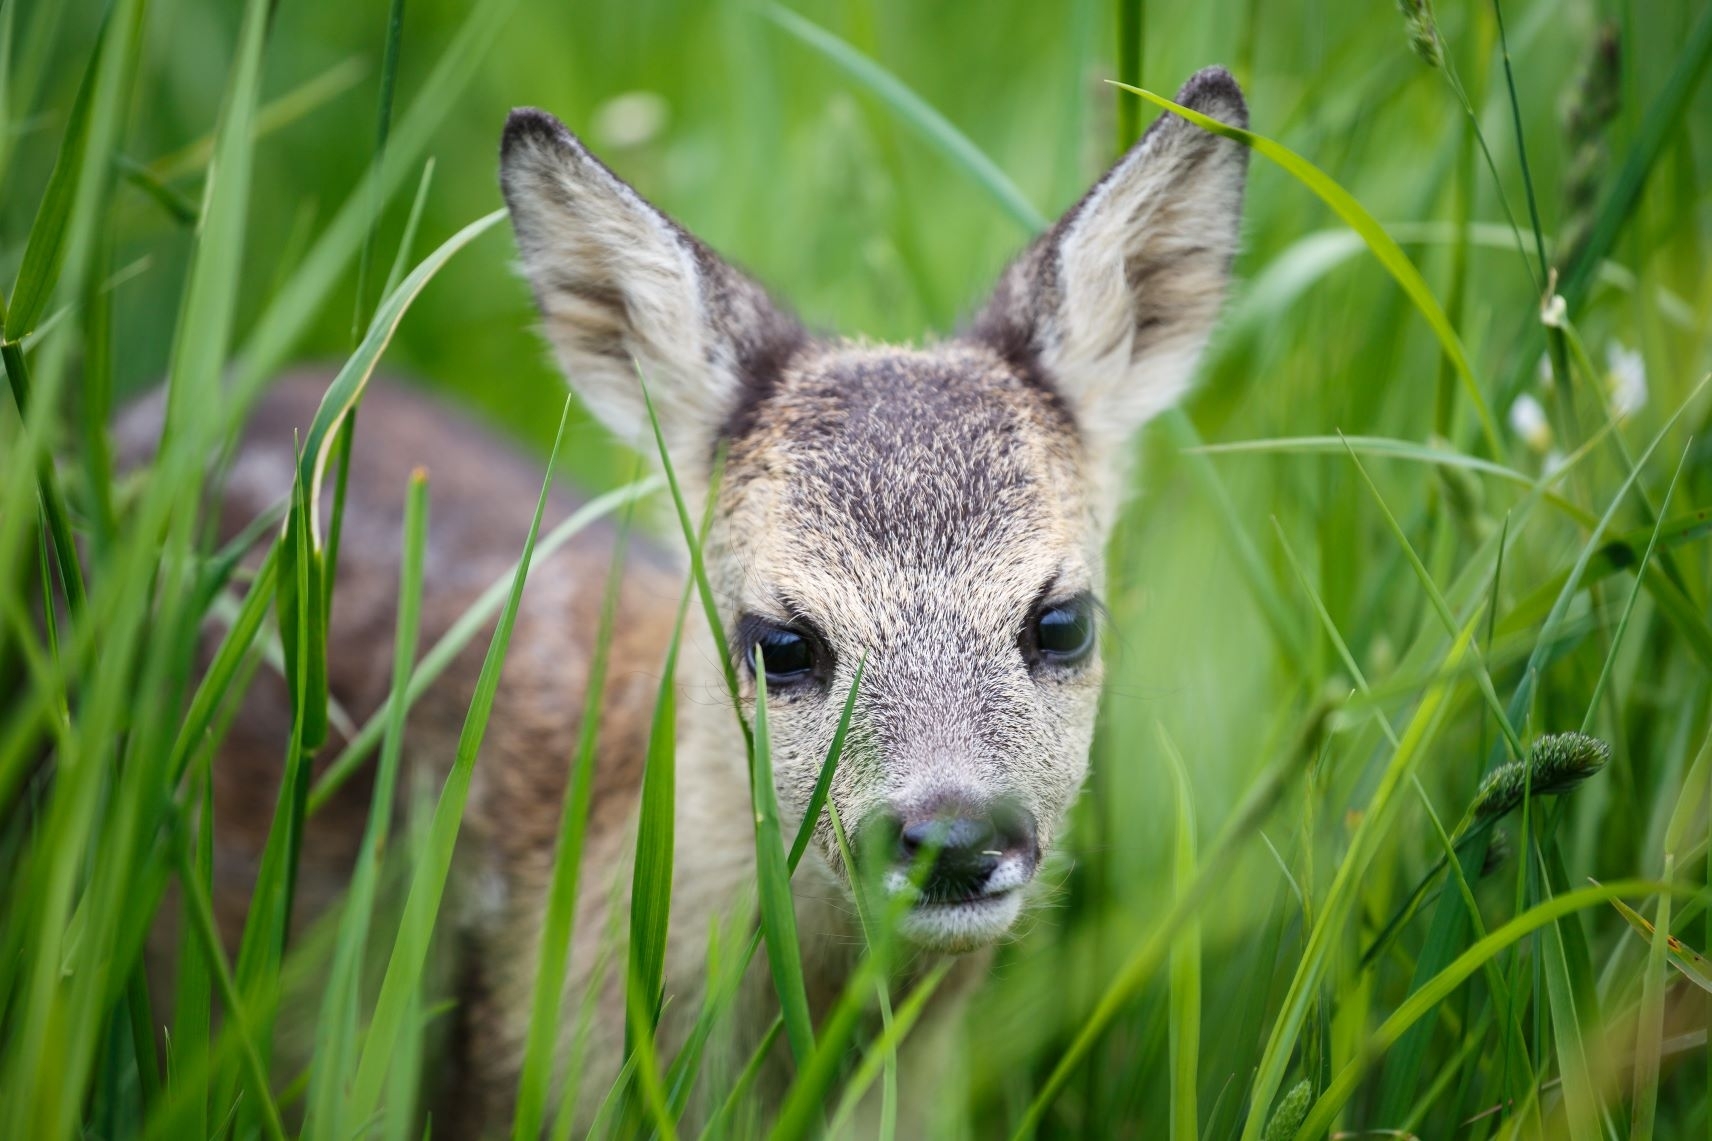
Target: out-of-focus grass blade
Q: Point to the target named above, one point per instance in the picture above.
(1339, 899)
(336, 1029)
(44, 250)
(1649, 1030)
(1138, 969)
(202, 923)
(1483, 677)
(468, 624)
(416, 925)
(301, 298)
(720, 993)
(347, 388)
(916, 114)
(645, 1058)
(1254, 571)
(1695, 967)
(651, 877)
(302, 100)
(383, 124)
(1427, 999)
(1405, 450)
(1662, 116)
(1355, 215)
(559, 926)
(336, 407)
(886, 1046)
(718, 1123)
(1184, 1034)
(773, 883)
(407, 240)
(1646, 559)
(1582, 1105)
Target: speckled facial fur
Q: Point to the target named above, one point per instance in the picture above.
(913, 507)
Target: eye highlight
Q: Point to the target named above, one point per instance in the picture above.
(791, 656)
(1061, 633)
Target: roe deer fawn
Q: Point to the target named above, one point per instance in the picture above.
(937, 513)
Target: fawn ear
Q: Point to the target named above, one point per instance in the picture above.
(623, 290)
(1113, 305)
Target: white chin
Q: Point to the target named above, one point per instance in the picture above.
(964, 926)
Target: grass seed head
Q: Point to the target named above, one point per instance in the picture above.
(1423, 29)
(1291, 1112)
(1556, 764)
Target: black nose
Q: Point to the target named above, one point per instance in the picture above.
(965, 845)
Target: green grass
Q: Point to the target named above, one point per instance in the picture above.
(1349, 589)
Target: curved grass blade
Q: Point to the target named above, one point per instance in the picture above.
(916, 114)
(1443, 983)
(1138, 970)
(1383, 246)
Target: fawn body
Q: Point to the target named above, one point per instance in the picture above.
(938, 513)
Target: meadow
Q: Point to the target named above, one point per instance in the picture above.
(1399, 810)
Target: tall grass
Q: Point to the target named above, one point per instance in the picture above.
(1435, 507)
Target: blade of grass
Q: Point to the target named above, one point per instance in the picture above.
(410, 947)
(471, 622)
(336, 1030)
(916, 114)
(1483, 677)
(885, 1047)
(559, 925)
(773, 884)
(719, 997)
(1444, 982)
(1649, 1032)
(1138, 969)
(1340, 897)
(716, 1125)
(651, 876)
(1184, 1034)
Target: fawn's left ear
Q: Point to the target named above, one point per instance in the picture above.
(1114, 304)
(622, 287)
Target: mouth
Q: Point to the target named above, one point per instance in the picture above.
(962, 921)
(961, 925)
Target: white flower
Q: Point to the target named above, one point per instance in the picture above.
(1554, 311)
(1625, 379)
(1553, 462)
(631, 119)
(1528, 420)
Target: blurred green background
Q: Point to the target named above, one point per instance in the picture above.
(773, 155)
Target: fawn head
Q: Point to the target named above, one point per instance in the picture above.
(936, 514)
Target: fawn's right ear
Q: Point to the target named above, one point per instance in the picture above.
(623, 289)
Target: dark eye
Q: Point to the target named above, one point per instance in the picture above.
(789, 656)
(1063, 633)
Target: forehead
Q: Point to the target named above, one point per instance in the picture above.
(884, 460)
